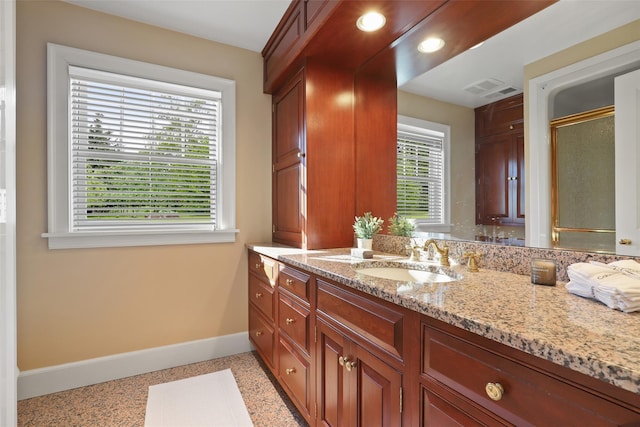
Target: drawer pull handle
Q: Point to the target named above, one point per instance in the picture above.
(258, 333)
(288, 321)
(494, 391)
(289, 282)
(258, 295)
(290, 371)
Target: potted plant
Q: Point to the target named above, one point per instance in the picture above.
(401, 226)
(366, 227)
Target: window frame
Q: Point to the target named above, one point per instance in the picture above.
(60, 232)
(420, 126)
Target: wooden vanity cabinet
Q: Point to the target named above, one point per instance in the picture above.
(346, 358)
(470, 380)
(500, 163)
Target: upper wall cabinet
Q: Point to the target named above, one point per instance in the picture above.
(500, 163)
(327, 29)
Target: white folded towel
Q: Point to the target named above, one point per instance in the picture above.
(616, 284)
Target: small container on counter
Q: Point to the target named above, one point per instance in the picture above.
(543, 272)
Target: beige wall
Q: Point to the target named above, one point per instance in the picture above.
(462, 123)
(80, 304)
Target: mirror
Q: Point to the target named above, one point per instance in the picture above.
(504, 65)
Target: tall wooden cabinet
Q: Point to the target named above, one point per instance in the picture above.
(500, 163)
(313, 159)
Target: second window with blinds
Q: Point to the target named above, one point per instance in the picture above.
(423, 173)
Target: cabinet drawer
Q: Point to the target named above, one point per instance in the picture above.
(265, 268)
(374, 322)
(262, 296)
(294, 281)
(261, 333)
(506, 115)
(295, 374)
(529, 397)
(293, 320)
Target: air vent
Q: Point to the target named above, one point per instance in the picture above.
(483, 86)
(500, 93)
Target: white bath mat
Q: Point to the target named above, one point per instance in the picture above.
(211, 400)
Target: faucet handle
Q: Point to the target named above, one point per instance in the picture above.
(472, 263)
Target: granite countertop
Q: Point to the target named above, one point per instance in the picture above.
(545, 321)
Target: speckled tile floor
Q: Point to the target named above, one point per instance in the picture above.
(123, 402)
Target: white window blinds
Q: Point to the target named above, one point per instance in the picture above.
(143, 152)
(420, 175)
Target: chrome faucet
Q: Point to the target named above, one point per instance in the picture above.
(444, 251)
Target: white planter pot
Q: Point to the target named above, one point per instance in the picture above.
(365, 243)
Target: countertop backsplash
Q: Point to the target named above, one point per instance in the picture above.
(512, 259)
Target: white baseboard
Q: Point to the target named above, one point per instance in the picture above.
(37, 382)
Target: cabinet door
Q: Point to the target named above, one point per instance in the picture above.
(493, 172)
(518, 183)
(355, 388)
(330, 395)
(378, 391)
(288, 163)
(500, 180)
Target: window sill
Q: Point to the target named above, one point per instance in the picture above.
(108, 239)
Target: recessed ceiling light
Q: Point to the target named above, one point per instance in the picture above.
(371, 21)
(431, 44)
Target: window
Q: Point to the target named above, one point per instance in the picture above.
(138, 154)
(423, 173)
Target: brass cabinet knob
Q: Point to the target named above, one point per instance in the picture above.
(625, 241)
(289, 320)
(258, 333)
(494, 391)
(290, 371)
(258, 295)
(301, 155)
(289, 282)
(346, 363)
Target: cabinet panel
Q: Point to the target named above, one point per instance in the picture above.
(370, 320)
(330, 376)
(293, 320)
(468, 369)
(493, 170)
(294, 281)
(379, 391)
(437, 412)
(295, 373)
(265, 269)
(262, 334)
(262, 296)
(280, 52)
(519, 173)
(503, 116)
(288, 121)
(288, 205)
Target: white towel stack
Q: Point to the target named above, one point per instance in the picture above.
(616, 284)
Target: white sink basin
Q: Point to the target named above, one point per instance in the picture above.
(405, 275)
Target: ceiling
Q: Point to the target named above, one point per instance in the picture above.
(498, 62)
